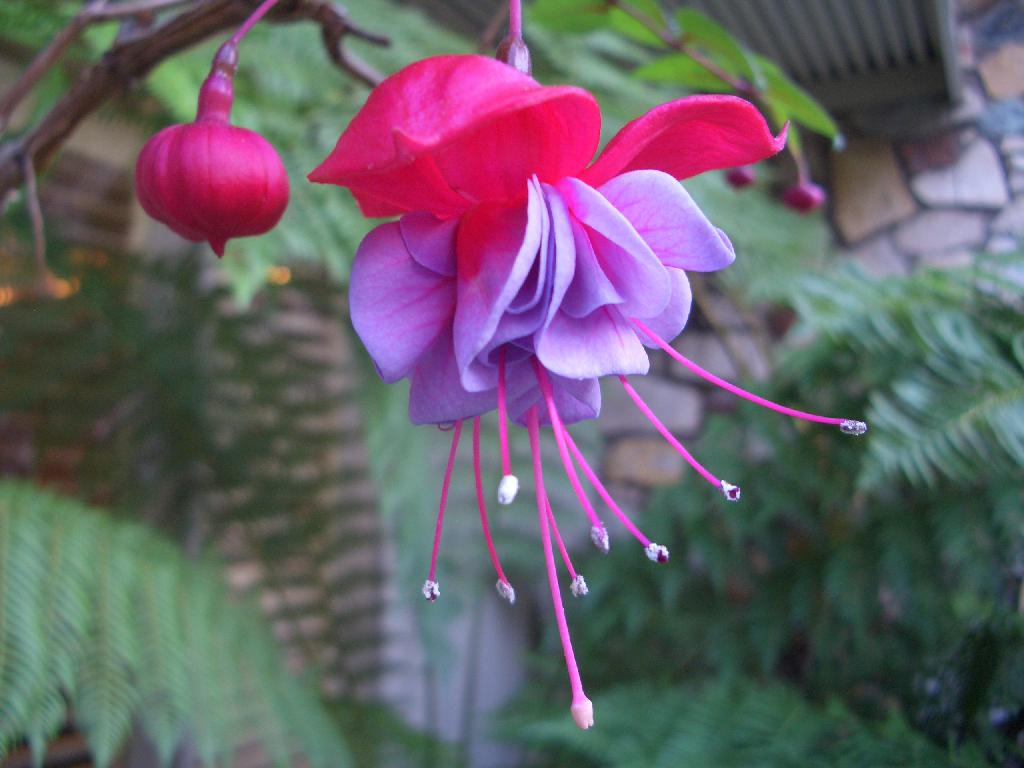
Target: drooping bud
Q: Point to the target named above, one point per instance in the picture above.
(210, 180)
(431, 590)
(656, 553)
(853, 427)
(741, 177)
(804, 196)
(508, 489)
(599, 535)
(578, 586)
(506, 591)
(730, 491)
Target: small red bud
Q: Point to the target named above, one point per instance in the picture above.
(741, 177)
(210, 180)
(804, 197)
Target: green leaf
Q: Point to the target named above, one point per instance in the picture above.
(570, 15)
(680, 69)
(707, 34)
(625, 24)
(789, 100)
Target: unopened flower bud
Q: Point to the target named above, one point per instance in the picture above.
(741, 177)
(209, 180)
(804, 197)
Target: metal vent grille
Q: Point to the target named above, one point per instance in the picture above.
(850, 53)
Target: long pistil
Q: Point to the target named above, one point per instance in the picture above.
(431, 589)
(582, 709)
(504, 588)
(847, 426)
(730, 491)
(598, 533)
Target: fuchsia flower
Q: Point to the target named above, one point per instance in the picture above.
(519, 272)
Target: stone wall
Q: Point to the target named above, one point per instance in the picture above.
(919, 185)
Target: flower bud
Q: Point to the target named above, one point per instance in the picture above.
(804, 197)
(741, 177)
(210, 180)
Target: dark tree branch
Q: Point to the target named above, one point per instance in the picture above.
(132, 58)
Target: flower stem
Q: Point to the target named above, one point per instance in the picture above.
(249, 23)
(515, 18)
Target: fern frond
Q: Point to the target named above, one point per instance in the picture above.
(107, 615)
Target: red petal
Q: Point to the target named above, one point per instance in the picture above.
(450, 131)
(686, 137)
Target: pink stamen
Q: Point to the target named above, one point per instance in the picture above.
(558, 540)
(849, 426)
(430, 588)
(582, 710)
(563, 451)
(646, 411)
(506, 461)
(508, 593)
(603, 492)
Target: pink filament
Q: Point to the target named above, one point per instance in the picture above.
(603, 493)
(558, 540)
(646, 411)
(480, 502)
(456, 431)
(249, 23)
(563, 451)
(506, 462)
(578, 697)
(708, 376)
(515, 19)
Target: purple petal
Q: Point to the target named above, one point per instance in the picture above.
(590, 287)
(671, 322)
(599, 344)
(562, 265)
(627, 261)
(575, 399)
(431, 241)
(436, 395)
(398, 307)
(496, 249)
(668, 219)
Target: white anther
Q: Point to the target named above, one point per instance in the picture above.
(506, 591)
(656, 553)
(431, 590)
(853, 427)
(730, 491)
(508, 487)
(599, 535)
(578, 586)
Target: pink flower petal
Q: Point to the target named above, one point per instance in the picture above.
(398, 307)
(669, 221)
(450, 131)
(686, 137)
